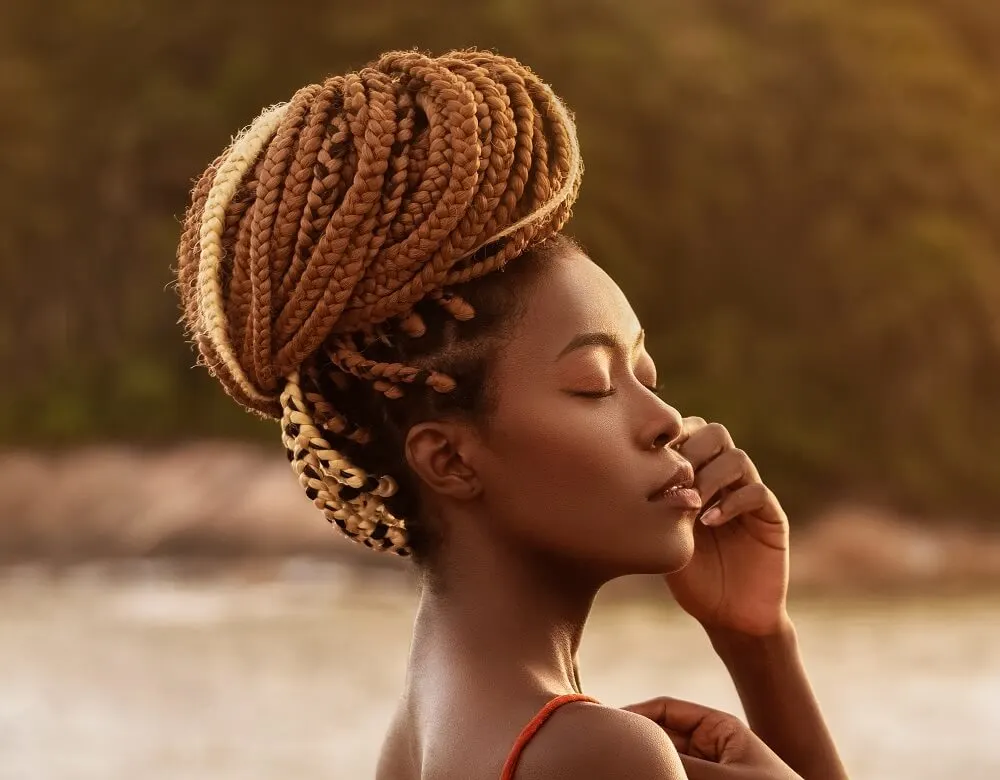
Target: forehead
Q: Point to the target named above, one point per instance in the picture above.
(573, 295)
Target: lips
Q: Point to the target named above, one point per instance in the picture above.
(681, 479)
(681, 497)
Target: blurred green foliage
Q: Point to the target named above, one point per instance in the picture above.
(802, 200)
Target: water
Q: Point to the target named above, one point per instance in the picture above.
(294, 671)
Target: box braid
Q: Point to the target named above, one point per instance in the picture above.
(337, 258)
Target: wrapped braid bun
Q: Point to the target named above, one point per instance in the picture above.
(340, 210)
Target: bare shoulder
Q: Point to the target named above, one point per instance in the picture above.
(586, 741)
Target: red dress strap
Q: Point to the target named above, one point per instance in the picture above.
(533, 725)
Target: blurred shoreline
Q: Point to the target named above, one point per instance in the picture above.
(200, 508)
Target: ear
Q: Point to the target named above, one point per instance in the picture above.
(439, 454)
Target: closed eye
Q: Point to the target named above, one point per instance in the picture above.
(656, 390)
(603, 394)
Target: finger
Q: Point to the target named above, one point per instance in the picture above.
(651, 710)
(731, 469)
(682, 742)
(691, 424)
(755, 498)
(688, 426)
(700, 769)
(704, 443)
(696, 730)
(674, 714)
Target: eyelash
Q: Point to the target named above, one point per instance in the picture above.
(654, 390)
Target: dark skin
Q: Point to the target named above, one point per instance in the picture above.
(543, 509)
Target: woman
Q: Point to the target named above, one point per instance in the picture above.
(378, 264)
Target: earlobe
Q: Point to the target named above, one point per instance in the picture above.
(437, 453)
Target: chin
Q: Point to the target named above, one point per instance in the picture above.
(684, 551)
(669, 553)
(681, 548)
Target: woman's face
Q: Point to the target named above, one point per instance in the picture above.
(567, 473)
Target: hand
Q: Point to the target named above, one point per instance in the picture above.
(713, 745)
(738, 577)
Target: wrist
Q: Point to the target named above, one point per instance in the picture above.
(777, 641)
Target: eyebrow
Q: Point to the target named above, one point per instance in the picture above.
(597, 340)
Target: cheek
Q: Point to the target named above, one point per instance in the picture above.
(571, 469)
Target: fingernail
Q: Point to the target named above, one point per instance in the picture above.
(712, 516)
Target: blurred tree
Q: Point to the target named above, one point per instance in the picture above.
(800, 199)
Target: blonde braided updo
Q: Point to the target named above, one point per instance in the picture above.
(338, 225)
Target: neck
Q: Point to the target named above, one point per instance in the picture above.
(512, 624)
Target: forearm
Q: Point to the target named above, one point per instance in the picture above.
(778, 700)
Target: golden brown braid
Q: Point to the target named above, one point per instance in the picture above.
(312, 239)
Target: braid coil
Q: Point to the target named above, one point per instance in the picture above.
(337, 212)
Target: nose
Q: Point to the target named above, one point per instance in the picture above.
(666, 429)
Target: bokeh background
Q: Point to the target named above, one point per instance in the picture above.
(802, 202)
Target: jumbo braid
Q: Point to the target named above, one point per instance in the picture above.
(341, 227)
(322, 153)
